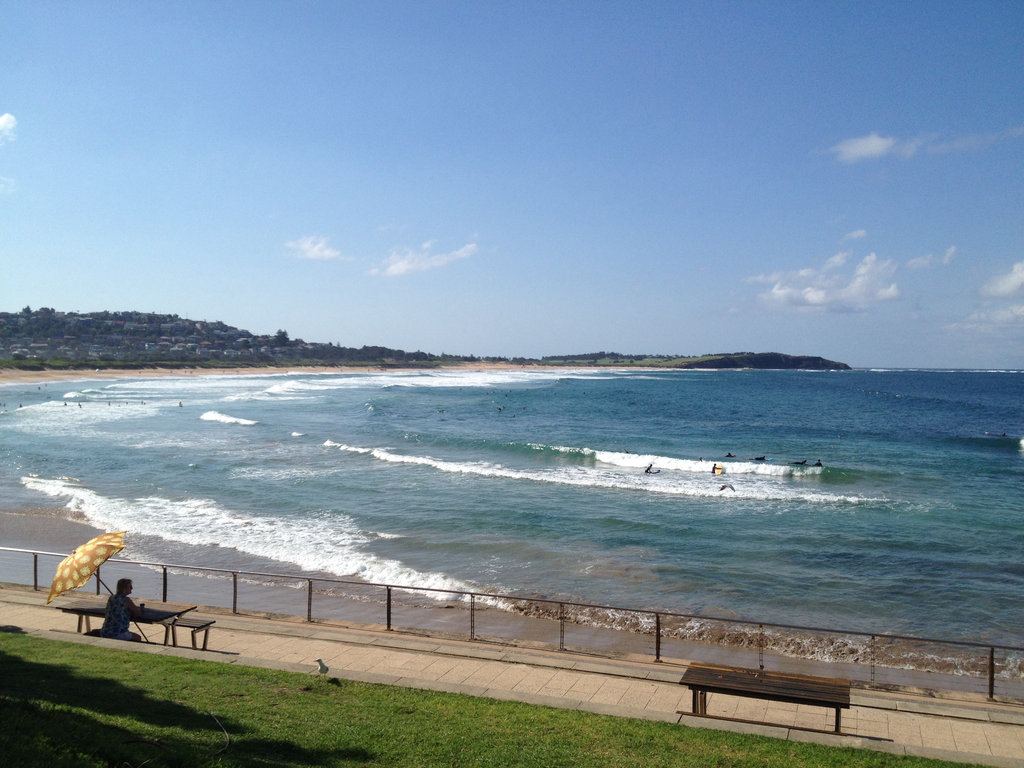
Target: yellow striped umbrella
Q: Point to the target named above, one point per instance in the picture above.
(78, 567)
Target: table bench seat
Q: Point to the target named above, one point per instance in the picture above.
(833, 693)
(192, 623)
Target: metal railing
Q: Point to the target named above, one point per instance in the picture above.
(689, 632)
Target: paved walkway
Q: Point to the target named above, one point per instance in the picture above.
(961, 727)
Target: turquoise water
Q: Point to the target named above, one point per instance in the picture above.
(533, 483)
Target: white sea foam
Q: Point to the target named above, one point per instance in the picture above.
(222, 418)
(689, 483)
(700, 465)
(326, 542)
(343, 447)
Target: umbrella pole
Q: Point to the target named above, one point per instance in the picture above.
(140, 630)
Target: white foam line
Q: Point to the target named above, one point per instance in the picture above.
(685, 485)
(223, 419)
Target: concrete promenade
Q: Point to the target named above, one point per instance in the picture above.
(960, 727)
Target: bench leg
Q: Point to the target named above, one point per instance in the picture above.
(700, 702)
(839, 719)
(167, 633)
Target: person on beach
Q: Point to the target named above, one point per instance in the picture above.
(120, 612)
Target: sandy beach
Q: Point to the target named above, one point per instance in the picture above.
(19, 376)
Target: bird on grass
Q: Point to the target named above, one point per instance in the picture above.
(321, 668)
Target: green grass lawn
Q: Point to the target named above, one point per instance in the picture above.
(67, 704)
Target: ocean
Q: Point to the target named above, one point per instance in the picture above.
(533, 482)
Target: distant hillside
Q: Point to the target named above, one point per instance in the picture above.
(763, 360)
(46, 338)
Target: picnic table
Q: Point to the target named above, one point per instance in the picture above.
(169, 615)
(833, 693)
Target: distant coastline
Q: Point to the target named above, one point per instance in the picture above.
(23, 373)
(146, 343)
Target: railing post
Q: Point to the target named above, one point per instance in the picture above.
(472, 616)
(309, 600)
(760, 646)
(991, 673)
(35, 570)
(657, 637)
(561, 626)
(389, 609)
(97, 580)
(234, 592)
(165, 583)
(872, 659)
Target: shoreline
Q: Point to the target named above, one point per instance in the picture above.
(20, 376)
(55, 531)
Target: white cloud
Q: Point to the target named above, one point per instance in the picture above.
(6, 185)
(7, 125)
(834, 262)
(857, 234)
(976, 141)
(988, 319)
(829, 289)
(920, 262)
(312, 247)
(1006, 285)
(863, 148)
(874, 146)
(406, 261)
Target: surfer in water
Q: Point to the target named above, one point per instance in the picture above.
(651, 470)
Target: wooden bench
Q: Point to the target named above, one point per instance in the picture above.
(193, 623)
(827, 692)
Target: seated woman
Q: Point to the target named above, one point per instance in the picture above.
(120, 611)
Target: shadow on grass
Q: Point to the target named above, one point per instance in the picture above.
(54, 715)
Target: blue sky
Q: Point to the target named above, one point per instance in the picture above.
(843, 179)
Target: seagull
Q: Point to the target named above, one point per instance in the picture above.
(321, 667)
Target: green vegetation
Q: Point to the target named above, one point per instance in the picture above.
(765, 360)
(65, 704)
(40, 339)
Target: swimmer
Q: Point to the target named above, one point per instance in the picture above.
(726, 486)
